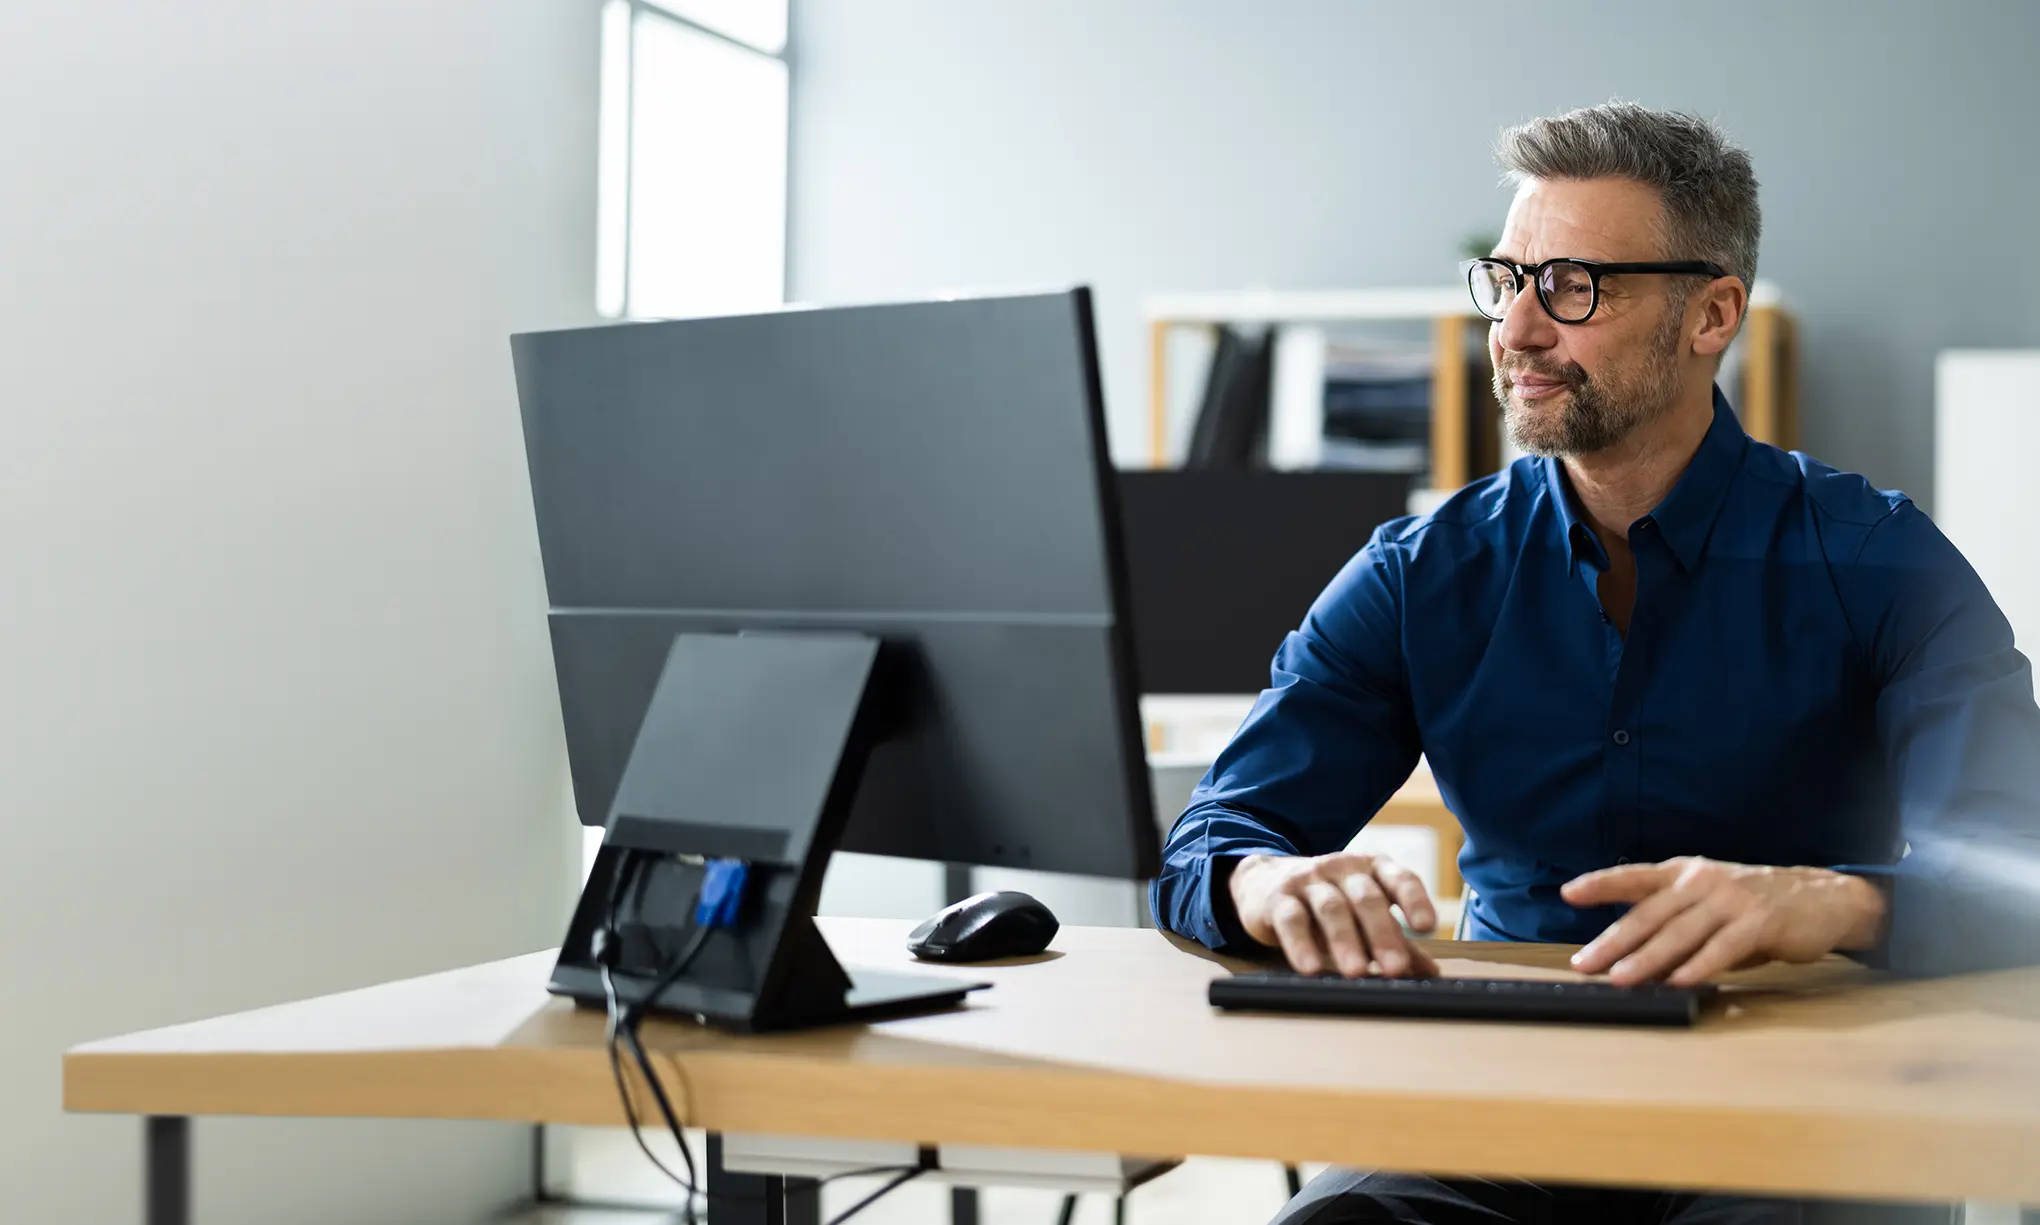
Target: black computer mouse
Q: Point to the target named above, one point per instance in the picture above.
(983, 928)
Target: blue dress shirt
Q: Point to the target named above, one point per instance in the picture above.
(1812, 675)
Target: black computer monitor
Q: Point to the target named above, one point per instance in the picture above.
(1222, 565)
(726, 498)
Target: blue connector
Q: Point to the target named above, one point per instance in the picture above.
(722, 893)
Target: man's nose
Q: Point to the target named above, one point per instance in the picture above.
(1525, 325)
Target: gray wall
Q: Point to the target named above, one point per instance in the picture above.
(1152, 145)
(276, 706)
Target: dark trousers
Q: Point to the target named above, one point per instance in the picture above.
(1348, 1197)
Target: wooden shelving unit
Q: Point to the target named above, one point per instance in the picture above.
(1463, 429)
(1768, 400)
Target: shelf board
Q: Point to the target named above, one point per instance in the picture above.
(1306, 306)
(1335, 305)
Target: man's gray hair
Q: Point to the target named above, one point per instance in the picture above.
(1707, 186)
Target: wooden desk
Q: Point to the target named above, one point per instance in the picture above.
(1920, 1090)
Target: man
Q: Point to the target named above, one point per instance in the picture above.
(1698, 703)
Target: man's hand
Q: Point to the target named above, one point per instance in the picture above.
(1695, 918)
(1334, 909)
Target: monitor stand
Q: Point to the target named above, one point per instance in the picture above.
(751, 749)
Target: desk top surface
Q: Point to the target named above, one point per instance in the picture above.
(1811, 1079)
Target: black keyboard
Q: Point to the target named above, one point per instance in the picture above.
(1472, 999)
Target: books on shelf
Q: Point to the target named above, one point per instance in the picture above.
(1296, 402)
(1377, 407)
(1348, 405)
(1231, 429)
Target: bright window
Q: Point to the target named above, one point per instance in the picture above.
(692, 183)
(760, 23)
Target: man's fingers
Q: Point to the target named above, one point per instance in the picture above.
(1631, 931)
(1408, 891)
(1725, 950)
(1296, 933)
(1335, 925)
(1666, 951)
(1631, 882)
(1333, 913)
(1384, 936)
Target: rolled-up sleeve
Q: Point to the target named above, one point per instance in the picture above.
(1961, 739)
(1326, 744)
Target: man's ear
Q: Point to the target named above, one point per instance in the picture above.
(1719, 308)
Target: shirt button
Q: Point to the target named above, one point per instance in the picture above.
(1621, 737)
(1622, 859)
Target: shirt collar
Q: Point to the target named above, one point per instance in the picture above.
(1686, 517)
(1580, 545)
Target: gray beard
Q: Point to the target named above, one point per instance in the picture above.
(1596, 415)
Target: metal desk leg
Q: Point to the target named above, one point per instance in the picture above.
(957, 882)
(166, 1170)
(803, 1201)
(756, 1199)
(963, 1206)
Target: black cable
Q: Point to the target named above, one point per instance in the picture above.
(665, 1105)
(630, 1107)
(624, 1020)
(905, 1177)
(630, 1018)
(870, 1171)
(692, 1185)
(632, 1014)
(623, 1025)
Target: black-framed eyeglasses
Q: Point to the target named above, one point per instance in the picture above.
(1569, 289)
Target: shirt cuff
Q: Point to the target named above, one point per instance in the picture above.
(1877, 956)
(1218, 903)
